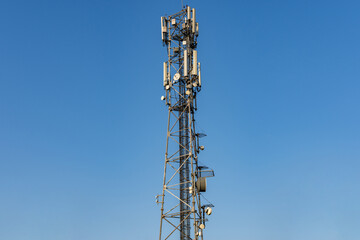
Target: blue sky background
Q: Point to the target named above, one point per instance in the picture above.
(82, 127)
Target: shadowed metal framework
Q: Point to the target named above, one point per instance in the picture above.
(184, 179)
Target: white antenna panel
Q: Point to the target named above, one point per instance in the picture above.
(193, 27)
(185, 63)
(188, 12)
(194, 69)
(199, 74)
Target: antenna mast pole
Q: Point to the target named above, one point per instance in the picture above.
(184, 179)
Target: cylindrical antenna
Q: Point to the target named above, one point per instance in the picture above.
(185, 63)
(193, 21)
(199, 75)
(162, 28)
(165, 73)
(189, 12)
(194, 70)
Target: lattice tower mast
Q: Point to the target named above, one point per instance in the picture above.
(184, 180)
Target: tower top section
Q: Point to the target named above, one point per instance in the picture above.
(183, 21)
(179, 33)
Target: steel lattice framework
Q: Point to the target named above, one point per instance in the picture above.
(184, 179)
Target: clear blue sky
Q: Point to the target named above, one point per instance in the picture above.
(82, 127)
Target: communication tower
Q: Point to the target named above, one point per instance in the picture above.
(182, 207)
